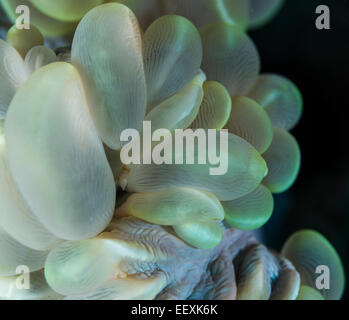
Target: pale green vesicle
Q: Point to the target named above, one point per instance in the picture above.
(145, 11)
(261, 12)
(65, 10)
(172, 57)
(283, 161)
(112, 70)
(245, 170)
(287, 284)
(201, 235)
(12, 75)
(83, 267)
(38, 57)
(114, 161)
(229, 57)
(280, 98)
(14, 254)
(215, 108)
(38, 288)
(251, 211)
(309, 293)
(308, 249)
(129, 288)
(48, 27)
(254, 273)
(23, 40)
(204, 12)
(249, 121)
(15, 215)
(178, 111)
(56, 157)
(173, 206)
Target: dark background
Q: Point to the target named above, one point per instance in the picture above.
(317, 61)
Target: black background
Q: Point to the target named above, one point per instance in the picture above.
(317, 61)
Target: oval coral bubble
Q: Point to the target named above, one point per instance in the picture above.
(48, 27)
(201, 235)
(173, 206)
(55, 155)
(251, 211)
(230, 57)
(172, 57)
(280, 98)
(308, 249)
(283, 161)
(65, 10)
(112, 70)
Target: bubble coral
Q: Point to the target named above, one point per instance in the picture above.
(174, 232)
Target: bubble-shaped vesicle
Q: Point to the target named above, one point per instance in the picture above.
(48, 27)
(283, 161)
(178, 111)
(172, 56)
(307, 250)
(129, 288)
(249, 121)
(245, 169)
(83, 267)
(38, 57)
(65, 10)
(38, 288)
(251, 211)
(12, 75)
(215, 108)
(201, 235)
(24, 39)
(229, 57)
(111, 65)
(204, 12)
(260, 12)
(173, 206)
(15, 215)
(287, 284)
(56, 157)
(145, 11)
(280, 98)
(14, 254)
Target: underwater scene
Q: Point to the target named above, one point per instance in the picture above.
(174, 150)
